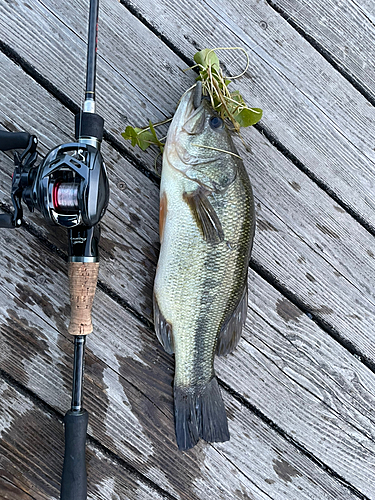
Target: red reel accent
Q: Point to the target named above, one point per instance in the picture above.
(55, 195)
(65, 196)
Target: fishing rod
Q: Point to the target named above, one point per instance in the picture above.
(70, 188)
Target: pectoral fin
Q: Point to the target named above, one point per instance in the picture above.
(205, 216)
(230, 334)
(163, 329)
(162, 214)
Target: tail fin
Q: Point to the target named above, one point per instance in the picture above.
(199, 412)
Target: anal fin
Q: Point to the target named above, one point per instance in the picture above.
(205, 216)
(230, 333)
(163, 328)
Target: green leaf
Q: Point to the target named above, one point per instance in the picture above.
(237, 96)
(207, 57)
(233, 108)
(238, 101)
(130, 135)
(145, 138)
(140, 137)
(248, 117)
(157, 141)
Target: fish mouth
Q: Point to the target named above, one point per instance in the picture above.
(190, 114)
(188, 122)
(197, 95)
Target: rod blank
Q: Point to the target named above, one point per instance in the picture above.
(92, 50)
(78, 367)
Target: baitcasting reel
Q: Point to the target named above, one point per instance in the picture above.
(69, 187)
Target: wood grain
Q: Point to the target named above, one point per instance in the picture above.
(304, 108)
(300, 407)
(319, 395)
(305, 101)
(121, 99)
(10, 491)
(31, 458)
(130, 423)
(330, 365)
(327, 24)
(270, 221)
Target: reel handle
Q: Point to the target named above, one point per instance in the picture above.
(6, 220)
(13, 140)
(83, 277)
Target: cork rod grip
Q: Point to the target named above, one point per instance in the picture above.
(83, 277)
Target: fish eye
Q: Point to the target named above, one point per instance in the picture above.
(216, 122)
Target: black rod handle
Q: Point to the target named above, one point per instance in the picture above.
(13, 140)
(74, 476)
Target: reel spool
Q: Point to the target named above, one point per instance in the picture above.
(71, 187)
(65, 197)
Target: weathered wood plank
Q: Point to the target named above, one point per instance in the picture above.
(9, 490)
(208, 457)
(118, 362)
(331, 366)
(319, 292)
(121, 99)
(367, 7)
(306, 405)
(115, 383)
(345, 30)
(31, 447)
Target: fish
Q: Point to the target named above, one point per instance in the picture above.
(206, 226)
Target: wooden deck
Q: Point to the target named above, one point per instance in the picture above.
(300, 389)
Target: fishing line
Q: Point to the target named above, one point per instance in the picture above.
(235, 48)
(217, 149)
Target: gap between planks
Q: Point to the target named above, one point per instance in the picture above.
(323, 469)
(241, 399)
(230, 29)
(74, 108)
(328, 56)
(136, 162)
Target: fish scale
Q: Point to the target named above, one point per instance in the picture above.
(207, 227)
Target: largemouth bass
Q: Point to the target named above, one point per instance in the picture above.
(200, 292)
